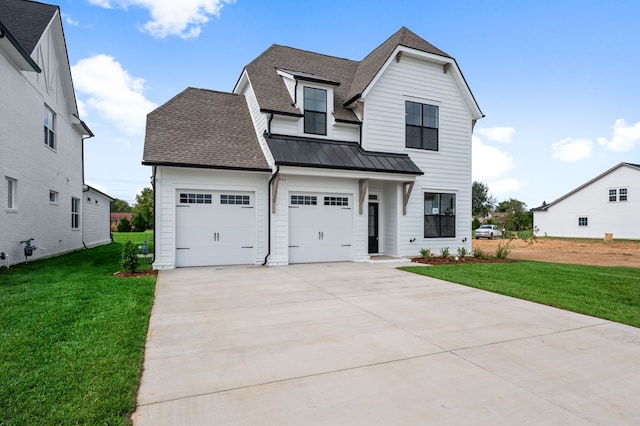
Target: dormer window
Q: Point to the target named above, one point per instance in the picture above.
(315, 111)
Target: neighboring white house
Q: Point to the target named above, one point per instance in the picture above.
(41, 140)
(314, 158)
(607, 204)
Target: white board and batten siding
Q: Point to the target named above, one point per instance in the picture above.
(447, 170)
(591, 202)
(229, 228)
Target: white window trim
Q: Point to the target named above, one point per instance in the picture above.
(53, 129)
(300, 105)
(57, 197)
(14, 194)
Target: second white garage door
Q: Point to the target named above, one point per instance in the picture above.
(215, 228)
(320, 227)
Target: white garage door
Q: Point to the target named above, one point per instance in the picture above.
(215, 228)
(320, 227)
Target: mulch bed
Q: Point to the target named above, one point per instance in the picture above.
(438, 260)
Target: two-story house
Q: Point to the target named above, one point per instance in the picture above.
(42, 190)
(315, 158)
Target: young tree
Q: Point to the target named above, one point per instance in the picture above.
(143, 210)
(481, 202)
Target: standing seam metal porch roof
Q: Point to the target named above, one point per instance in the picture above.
(332, 154)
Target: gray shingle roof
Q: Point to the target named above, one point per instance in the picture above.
(272, 94)
(26, 20)
(353, 76)
(330, 154)
(203, 128)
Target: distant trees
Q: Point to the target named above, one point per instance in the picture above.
(481, 202)
(120, 206)
(516, 217)
(143, 210)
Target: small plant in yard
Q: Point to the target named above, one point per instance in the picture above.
(477, 252)
(129, 259)
(124, 225)
(462, 252)
(426, 254)
(503, 250)
(444, 252)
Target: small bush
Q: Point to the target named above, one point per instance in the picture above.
(426, 254)
(124, 225)
(444, 252)
(129, 260)
(502, 252)
(477, 252)
(462, 252)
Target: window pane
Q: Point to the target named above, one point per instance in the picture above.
(430, 116)
(315, 123)
(413, 137)
(448, 226)
(430, 139)
(315, 99)
(431, 226)
(413, 113)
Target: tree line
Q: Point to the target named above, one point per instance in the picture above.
(513, 214)
(141, 212)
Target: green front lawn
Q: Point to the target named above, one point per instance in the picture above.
(72, 338)
(611, 293)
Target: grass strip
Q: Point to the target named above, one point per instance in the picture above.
(611, 293)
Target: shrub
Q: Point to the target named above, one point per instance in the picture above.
(444, 252)
(129, 260)
(462, 252)
(477, 252)
(503, 250)
(124, 225)
(426, 254)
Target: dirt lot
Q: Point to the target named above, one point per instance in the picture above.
(583, 252)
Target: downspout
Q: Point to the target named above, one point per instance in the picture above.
(269, 124)
(273, 176)
(153, 188)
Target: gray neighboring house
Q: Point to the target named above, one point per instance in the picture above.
(314, 158)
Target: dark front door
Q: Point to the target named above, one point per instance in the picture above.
(373, 228)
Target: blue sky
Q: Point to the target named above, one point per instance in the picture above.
(557, 80)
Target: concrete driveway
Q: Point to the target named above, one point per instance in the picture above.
(365, 344)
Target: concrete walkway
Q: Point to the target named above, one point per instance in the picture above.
(363, 344)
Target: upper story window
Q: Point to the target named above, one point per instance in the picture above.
(583, 222)
(49, 128)
(12, 189)
(315, 111)
(439, 215)
(53, 197)
(622, 194)
(616, 194)
(421, 126)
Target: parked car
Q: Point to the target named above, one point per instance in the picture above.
(488, 231)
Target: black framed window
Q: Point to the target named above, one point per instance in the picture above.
(583, 222)
(439, 215)
(613, 195)
(421, 126)
(315, 111)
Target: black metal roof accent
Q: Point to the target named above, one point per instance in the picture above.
(332, 154)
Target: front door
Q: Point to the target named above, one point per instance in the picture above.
(373, 228)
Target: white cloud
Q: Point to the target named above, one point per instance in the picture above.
(624, 136)
(498, 134)
(502, 186)
(109, 90)
(69, 20)
(183, 18)
(489, 162)
(572, 150)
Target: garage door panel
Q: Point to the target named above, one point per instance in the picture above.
(217, 231)
(320, 232)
